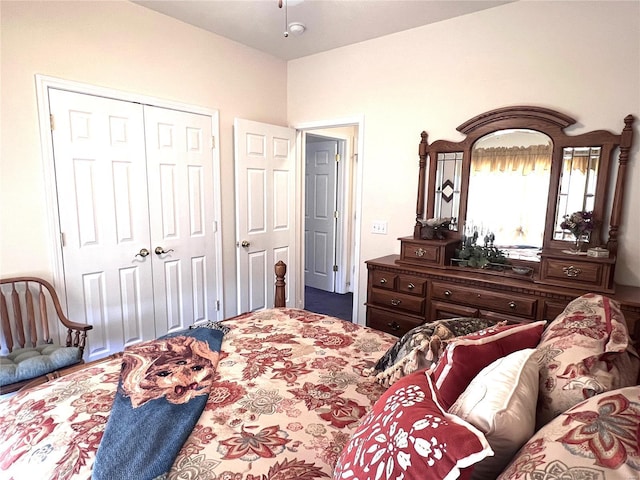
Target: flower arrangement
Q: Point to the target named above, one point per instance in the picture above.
(578, 223)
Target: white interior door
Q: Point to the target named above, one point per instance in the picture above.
(99, 152)
(182, 221)
(265, 210)
(320, 209)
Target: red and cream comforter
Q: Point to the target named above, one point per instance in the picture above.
(289, 392)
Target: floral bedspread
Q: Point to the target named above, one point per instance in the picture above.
(289, 392)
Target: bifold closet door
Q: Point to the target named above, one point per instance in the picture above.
(101, 181)
(136, 207)
(182, 223)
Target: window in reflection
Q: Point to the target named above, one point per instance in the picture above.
(508, 189)
(577, 185)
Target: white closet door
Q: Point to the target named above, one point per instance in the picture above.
(181, 207)
(101, 184)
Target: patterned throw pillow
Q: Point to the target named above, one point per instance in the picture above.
(585, 351)
(596, 439)
(407, 435)
(421, 346)
(463, 358)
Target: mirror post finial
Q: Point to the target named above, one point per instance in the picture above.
(422, 177)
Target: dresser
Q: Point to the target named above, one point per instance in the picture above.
(478, 193)
(402, 296)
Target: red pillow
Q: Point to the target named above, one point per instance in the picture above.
(407, 434)
(465, 356)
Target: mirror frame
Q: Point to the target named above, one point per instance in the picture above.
(552, 124)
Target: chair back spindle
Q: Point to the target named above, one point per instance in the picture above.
(44, 316)
(17, 311)
(6, 325)
(31, 316)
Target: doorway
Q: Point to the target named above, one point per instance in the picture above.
(329, 234)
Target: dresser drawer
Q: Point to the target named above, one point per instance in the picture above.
(397, 301)
(495, 301)
(575, 273)
(412, 285)
(442, 310)
(420, 253)
(381, 279)
(393, 323)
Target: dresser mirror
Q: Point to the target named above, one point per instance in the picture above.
(510, 164)
(517, 174)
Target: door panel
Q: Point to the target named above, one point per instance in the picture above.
(99, 151)
(265, 215)
(180, 176)
(320, 222)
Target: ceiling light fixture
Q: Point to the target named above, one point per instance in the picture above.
(296, 28)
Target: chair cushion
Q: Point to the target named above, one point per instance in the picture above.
(27, 363)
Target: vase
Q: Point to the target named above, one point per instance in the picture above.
(577, 245)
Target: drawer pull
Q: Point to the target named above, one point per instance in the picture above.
(420, 252)
(411, 286)
(512, 304)
(393, 326)
(395, 302)
(383, 281)
(447, 293)
(571, 271)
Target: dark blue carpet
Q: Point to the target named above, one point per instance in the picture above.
(333, 304)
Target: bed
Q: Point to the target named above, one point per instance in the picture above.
(299, 395)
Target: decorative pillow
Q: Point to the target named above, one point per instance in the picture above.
(421, 346)
(586, 350)
(464, 357)
(501, 402)
(596, 439)
(407, 435)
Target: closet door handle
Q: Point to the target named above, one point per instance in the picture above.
(160, 250)
(142, 253)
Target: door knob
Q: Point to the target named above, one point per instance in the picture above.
(160, 250)
(245, 244)
(143, 252)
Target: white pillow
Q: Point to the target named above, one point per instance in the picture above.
(501, 402)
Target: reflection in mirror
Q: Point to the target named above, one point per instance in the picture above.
(447, 191)
(577, 185)
(508, 190)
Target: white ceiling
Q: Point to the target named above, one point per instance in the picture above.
(330, 24)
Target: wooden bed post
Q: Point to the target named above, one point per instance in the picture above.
(280, 298)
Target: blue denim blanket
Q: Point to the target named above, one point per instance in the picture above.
(163, 388)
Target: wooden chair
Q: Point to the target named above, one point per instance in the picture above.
(29, 353)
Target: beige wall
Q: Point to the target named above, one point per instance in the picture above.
(582, 58)
(122, 46)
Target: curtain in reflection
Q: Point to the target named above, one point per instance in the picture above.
(512, 159)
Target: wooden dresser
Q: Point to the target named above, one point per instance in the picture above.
(401, 296)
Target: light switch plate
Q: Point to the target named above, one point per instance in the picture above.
(379, 227)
